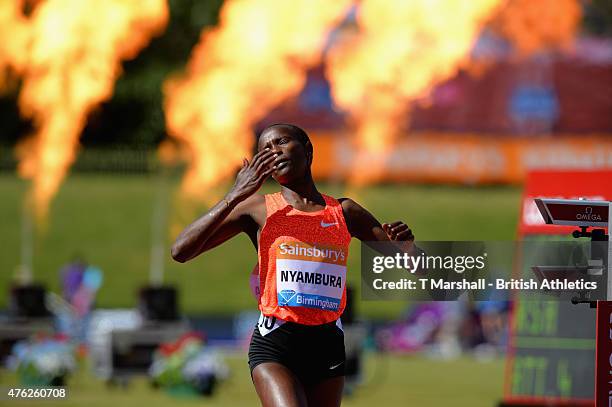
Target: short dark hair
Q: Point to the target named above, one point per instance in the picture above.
(291, 129)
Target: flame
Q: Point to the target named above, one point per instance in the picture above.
(402, 49)
(256, 58)
(535, 25)
(14, 32)
(72, 60)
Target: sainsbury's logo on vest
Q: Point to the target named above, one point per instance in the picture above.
(306, 251)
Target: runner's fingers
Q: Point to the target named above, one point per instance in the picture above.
(244, 166)
(261, 155)
(399, 228)
(255, 159)
(265, 174)
(393, 229)
(404, 235)
(265, 163)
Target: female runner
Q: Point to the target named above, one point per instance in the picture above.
(296, 355)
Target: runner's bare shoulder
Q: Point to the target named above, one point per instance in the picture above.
(349, 206)
(255, 208)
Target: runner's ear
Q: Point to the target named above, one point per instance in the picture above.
(309, 152)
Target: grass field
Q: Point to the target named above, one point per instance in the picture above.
(389, 381)
(107, 219)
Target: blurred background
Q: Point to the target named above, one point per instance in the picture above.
(122, 121)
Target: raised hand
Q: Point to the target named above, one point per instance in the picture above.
(253, 174)
(398, 231)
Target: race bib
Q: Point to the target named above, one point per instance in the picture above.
(310, 276)
(267, 324)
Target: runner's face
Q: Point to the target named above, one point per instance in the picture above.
(292, 162)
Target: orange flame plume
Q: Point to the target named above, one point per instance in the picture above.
(256, 58)
(402, 49)
(15, 34)
(71, 63)
(535, 25)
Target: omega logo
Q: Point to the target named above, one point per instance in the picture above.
(588, 215)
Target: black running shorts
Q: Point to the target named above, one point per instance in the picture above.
(312, 353)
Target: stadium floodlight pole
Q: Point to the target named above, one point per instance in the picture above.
(24, 270)
(158, 226)
(584, 214)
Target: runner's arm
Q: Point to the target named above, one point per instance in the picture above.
(222, 222)
(365, 227)
(239, 211)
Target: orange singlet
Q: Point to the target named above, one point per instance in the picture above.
(302, 262)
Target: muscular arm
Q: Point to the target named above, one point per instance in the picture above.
(240, 211)
(222, 222)
(365, 227)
